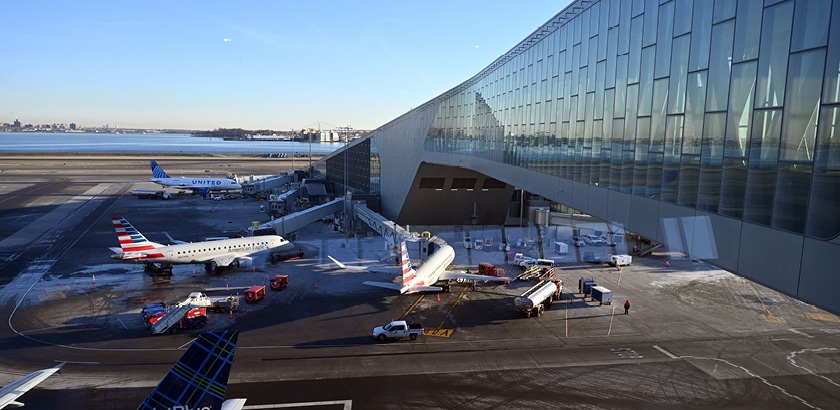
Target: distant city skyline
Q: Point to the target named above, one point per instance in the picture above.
(252, 65)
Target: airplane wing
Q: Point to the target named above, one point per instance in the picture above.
(392, 270)
(386, 285)
(224, 260)
(17, 388)
(447, 275)
(343, 266)
(173, 240)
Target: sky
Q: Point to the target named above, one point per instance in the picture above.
(281, 65)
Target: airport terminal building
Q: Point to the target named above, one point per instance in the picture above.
(711, 127)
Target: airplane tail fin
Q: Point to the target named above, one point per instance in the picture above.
(199, 379)
(131, 240)
(157, 171)
(405, 264)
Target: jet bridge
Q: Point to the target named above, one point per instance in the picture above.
(392, 232)
(296, 221)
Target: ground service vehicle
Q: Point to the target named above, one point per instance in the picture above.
(177, 318)
(254, 294)
(561, 248)
(602, 295)
(150, 194)
(486, 268)
(621, 260)
(397, 329)
(522, 261)
(538, 298)
(279, 282)
(223, 303)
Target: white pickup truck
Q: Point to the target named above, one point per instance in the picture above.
(397, 329)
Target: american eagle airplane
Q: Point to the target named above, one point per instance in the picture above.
(224, 252)
(427, 274)
(197, 185)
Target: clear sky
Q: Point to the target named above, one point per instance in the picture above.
(252, 64)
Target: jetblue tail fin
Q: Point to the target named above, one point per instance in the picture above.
(157, 171)
(199, 379)
(131, 240)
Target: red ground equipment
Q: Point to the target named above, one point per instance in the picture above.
(279, 282)
(254, 294)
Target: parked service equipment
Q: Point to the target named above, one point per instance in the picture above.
(279, 282)
(538, 298)
(486, 268)
(150, 194)
(602, 295)
(621, 260)
(254, 294)
(397, 329)
(223, 303)
(522, 261)
(561, 248)
(586, 287)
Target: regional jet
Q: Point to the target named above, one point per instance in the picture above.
(10, 392)
(427, 275)
(199, 379)
(196, 185)
(213, 254)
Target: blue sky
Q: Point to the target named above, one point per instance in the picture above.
(253, 64)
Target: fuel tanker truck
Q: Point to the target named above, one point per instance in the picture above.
(538, 298)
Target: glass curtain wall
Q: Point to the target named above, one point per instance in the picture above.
(732, 109)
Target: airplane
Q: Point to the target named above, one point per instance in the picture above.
(197, 185)
(213, 254)
(10, 392)
(198, 379)
(427, 274)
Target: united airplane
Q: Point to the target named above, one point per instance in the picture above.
(428, 274)
(213, 254)
(197, 185)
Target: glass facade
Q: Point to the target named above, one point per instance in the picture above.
(732, 109)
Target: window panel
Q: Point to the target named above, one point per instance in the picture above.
(695, 101)
(646, 81)
(831, 83)
(740, 109)
(701, 37)
(790, 202)
(804, 86)
(773, 60)
(823, 212)
(761, 173)
(732, 187)
(720, 61)
(810, 24)
(664, 37)
(641, 155)
(688, 182)
(682, 17)
(747, 30)
(679, 75)
(711, 158)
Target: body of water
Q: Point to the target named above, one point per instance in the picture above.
(174, 144)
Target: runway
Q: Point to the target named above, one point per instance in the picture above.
(696, 337)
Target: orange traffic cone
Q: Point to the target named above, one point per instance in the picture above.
(316, 285)
(231, 313)
(438, 297)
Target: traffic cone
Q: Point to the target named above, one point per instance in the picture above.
(438, 297)
(226, 287)
(93, 279)
(253, 269)
(316, 285)
(667, 263)
(231, 313)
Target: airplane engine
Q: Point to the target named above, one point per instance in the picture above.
(244, 262)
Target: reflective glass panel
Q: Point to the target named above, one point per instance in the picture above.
(804, 87)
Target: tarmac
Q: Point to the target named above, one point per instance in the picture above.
(695, 337)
